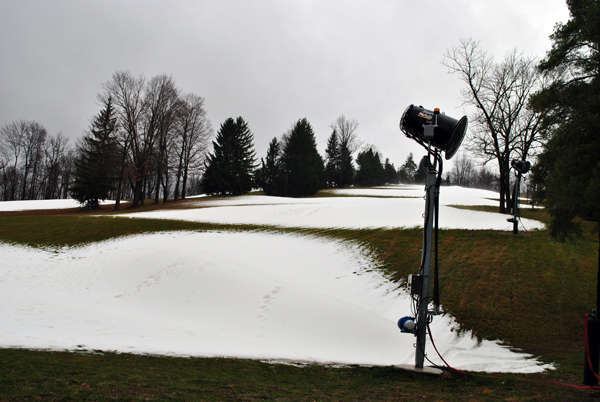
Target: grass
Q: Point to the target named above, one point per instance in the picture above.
(61, 376)
(524, 289)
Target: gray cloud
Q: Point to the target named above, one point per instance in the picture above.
(270, 61)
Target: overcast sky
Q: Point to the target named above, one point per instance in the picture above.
(270, 61)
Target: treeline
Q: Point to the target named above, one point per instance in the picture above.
(464, 173)
(148, 141)
(33, 164)
(151, 140)
(293, 166)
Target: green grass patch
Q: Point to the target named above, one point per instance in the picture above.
(75, 230)
(58, 376)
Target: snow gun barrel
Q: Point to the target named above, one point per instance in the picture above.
(448, 134)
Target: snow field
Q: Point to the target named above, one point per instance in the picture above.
(388, 207)
(235, 294)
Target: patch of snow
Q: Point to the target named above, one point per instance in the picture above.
(250, 295)
(28, 205)
(271, 297)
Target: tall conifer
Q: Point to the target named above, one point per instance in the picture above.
(303, 166)
(568, 170)
(96, 163)
(333, 166)
(270, 177)
(370, 169)
(229, 169)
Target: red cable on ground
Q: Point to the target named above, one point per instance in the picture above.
(525, 229)
(517, 379)
(440, 355)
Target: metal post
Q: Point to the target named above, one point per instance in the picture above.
(423, 313)
(430, 194)
(516, 196)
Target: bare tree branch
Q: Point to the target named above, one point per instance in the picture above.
(502, 127)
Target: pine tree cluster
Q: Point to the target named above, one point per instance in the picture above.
(293, 167)
(340, 171)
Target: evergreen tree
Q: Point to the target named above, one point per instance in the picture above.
(333, 166)
(568, 171)
(346, 175)
(407, 171)
(370, 171)
(229, 169)
(391, 176)
(421, 173)
(339, 167)
(96, 163)
(269, 176)
(304, 169)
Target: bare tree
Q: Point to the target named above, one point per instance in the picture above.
(31, 161)
(34, 139)
(346, 132)
(167, 116)
(502, 128)
(126, 92)
(4, 167)
(145, 110)
(11, 142)
(67, 166)
(463, 171)
(194, 133)
(55, 151)
(160, 94)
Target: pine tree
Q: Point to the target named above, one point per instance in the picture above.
(346, 175)
(229, 169)
(391, 176)
(370, 171)
(408, 170)
(303, 166)
(269, 176)
(339, 167)
(421, 173)
(96, 163)
(333, 166)
(568, 170)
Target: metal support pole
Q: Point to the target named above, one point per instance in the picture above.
(423, 313)
(430, 194)
(516, 195)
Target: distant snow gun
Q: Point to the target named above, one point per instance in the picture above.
(521, 168)
(437, 133)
